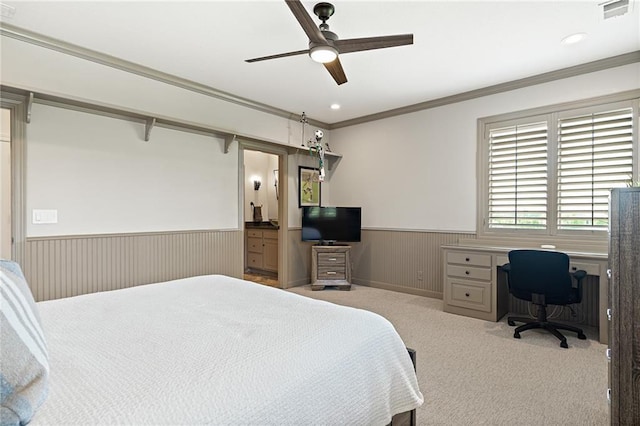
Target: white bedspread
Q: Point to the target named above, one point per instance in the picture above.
(218, 350)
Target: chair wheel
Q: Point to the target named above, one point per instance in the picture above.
(564, 344)
(511, 323)
(581, 336)
(516, 335)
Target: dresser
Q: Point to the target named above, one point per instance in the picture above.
(331, 266)
(261, 249)
(624, 302)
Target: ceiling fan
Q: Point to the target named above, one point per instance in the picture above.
(325, 46)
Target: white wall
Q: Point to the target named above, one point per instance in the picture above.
(260, 165)
(75, 78)
(102, 177)
(418, 170)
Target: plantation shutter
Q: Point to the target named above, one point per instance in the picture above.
(518, 176)
(595, 154)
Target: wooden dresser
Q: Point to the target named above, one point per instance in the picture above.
(624, 302)
(330, 266)
(261, 252)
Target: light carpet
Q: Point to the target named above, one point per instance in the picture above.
(473, 372)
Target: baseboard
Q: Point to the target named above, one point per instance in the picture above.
(400, 289)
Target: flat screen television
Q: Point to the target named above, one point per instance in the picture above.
(328, 225)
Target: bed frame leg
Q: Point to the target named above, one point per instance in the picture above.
(407, 418)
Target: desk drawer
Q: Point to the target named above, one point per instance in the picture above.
(332, 259)
(469, 272)
(473, 259)
(590, 268)
(470, 294)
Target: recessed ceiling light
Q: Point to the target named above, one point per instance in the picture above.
(574, 38)
(335, 106)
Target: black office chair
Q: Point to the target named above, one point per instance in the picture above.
(543, 278)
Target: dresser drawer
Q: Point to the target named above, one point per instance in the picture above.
(254, 260)
(254, 244)
(470, 272)
(473, 259)
(270, 234)
(469, 294)
(332, 273)
(331, 259)
(254, 233)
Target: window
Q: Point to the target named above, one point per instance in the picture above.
(548, 172)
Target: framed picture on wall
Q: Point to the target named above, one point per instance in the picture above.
(308, 186)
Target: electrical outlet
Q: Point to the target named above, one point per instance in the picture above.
(419, 275)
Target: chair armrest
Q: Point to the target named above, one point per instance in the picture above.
(579, 275)
(506, 267)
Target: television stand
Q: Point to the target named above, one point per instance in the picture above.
(330, 267)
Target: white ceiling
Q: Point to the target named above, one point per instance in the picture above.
(458, 46)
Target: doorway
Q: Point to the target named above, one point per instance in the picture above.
(262, 207)
(5, 184)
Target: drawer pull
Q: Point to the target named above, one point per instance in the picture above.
(466, 272)
(574, 268)
(466, 294)
(609, 395)
(331, 273)
(609, 273)
(608, 354)
(467, 259)
(333, 259)
(609, 314)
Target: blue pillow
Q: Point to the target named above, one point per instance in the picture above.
(24, 361)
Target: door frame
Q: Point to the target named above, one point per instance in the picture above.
(18, 111)
(283, 191)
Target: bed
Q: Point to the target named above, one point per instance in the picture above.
(219, 350)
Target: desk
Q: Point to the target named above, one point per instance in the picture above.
(473, 286)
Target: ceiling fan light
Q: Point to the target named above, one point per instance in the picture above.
(323, 54)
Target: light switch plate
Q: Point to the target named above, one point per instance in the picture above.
(44, 216)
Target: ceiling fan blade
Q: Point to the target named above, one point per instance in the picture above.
(279, 55)
(307, 24)
(370, 43)
(335, 69)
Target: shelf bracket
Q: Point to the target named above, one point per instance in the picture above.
(29, 106)
(228, 140)
(147, 128)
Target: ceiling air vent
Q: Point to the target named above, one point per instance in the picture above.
(7, 11)
(615, 8)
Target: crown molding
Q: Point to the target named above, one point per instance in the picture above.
(599, 65)
(51, 43)
(37, 39)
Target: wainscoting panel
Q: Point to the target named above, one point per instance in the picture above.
(586, 312)
(299, 259)
(66, 266)
(407, 261)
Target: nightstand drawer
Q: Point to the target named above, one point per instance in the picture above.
(254, 244)
(331, 259)
(470, 294)
(472, 259)
(469, 272)
(331, 273)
